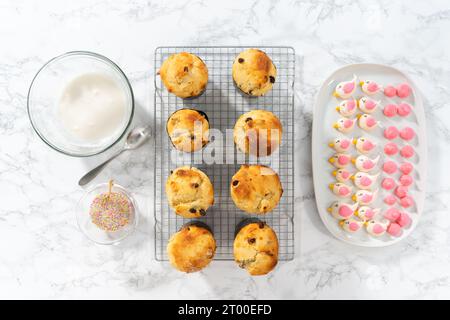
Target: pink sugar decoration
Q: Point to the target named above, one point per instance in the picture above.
(407, 133)
(368, 145)
(390, 148)
(371, 122)
(406, 180)
(404, 220)
(406, 202)
(392, 214)
(390, 91)
(390, 167)
(403, 90)
(403, 109)
(401, 191)
(388, 183)
(345, 143)
(343, 159)
(348, 87)
(394, 229)
(365, 181)
(353, 226)
(348, 123)
(406, 168)
(345, 174)
(390, 110)
(345, 211)
(351, 104)
(390, 199)
(368, 164)
(370, 213)
(366, 198)
(377, 229)
(407, 152)
(372, 87)
(343, 191)
(390, 133)
(370, 104)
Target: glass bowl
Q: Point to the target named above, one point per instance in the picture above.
(92, 231)
(46, 90)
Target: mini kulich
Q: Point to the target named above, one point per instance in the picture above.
(192, 248)
(184, 74)
(188, 129)
(255, 247)
(254, 72)
(258, 132)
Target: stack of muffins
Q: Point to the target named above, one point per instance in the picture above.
(255, 189)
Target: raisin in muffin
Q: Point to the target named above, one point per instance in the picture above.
(258, 132)
(189, 192)
(256, 189)
(253, 72)
(256, 248)
(184, 74)
(192, 248)
(188, 129)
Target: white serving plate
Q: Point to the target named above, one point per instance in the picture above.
(325, 114)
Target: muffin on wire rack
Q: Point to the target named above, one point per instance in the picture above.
(254, 72)
(188, 129)
(184, 74)
(255, 247)
(189, 192)
(192, 248)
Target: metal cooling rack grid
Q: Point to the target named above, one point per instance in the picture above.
(223, 104)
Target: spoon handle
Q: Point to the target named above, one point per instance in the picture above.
(94, 172)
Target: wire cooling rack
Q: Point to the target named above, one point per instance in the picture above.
(223, 103)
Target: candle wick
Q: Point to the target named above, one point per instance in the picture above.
(111, 182)
(110, 185)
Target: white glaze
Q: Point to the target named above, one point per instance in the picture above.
(92, 107)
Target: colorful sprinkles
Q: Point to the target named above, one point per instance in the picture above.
(111, 211)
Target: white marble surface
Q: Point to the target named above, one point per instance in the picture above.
(42, 252)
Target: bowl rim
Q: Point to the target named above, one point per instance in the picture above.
(89, 54)
(121, 189)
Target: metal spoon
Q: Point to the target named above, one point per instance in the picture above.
(135, 139)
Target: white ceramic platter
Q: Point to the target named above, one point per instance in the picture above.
(325, 115)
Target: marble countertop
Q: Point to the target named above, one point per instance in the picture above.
(44, 255)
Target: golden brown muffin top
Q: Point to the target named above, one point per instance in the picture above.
(256, 189)
(184, 74)
(191, 249)
(256, 248)
(188, 130)
(253, 72)
(189, 192)
(256, 129)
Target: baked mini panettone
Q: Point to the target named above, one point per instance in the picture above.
(189, 192)
(258, 132)
(192, 248)
(256, 189)
(254, 72)
(188, 129)
(184, 74)
(256, 248)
